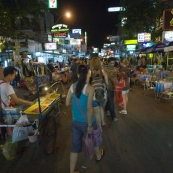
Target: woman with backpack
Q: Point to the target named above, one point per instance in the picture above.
(126, 73)
(99, 80)
(81, 95)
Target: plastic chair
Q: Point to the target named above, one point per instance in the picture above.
(167, 94)
(149, 85)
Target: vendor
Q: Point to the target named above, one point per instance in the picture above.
(6, 90)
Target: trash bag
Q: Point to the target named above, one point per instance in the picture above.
(9, 149)
(21, 130)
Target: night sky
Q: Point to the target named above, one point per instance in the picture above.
(91, 16)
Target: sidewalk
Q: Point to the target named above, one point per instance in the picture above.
(139, 142)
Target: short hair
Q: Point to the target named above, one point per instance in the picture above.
(50, 61)
(111, 59)
(9, 70)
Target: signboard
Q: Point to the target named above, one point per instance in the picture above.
(167, 36)
(144, 37)
(50, 46)
(115, 9)
(52, 3)
(114, 38)
(168, 19)
(74, 31)
(60, 34)
(130, 47)
(75, 41)
(130, 41)
(60, 28)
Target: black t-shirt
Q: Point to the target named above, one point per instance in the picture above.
(51, 67)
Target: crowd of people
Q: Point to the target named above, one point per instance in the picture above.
(94, 86)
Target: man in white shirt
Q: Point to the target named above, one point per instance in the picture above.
(6, 90)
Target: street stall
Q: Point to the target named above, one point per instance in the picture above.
(45, 110)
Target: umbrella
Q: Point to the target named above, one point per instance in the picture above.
(159, 47)
(169, 47)
(144, 50)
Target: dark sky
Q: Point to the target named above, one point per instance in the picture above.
(91, 16)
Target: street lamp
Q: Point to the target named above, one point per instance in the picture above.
(68, 15)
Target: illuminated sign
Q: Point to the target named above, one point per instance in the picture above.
(74, 31)
(130, 47)
(60, 34)
(49, 37)
(50, 46)
(75, 41)
(144, 37)
(144, 45)
(52, 3)
(130, 41)
(59, 28)
(167, 36)
(168, 19)
(115, 9)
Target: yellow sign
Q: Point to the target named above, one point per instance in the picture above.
(150, 55)
(130, 41)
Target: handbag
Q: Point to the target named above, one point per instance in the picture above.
(97, 134)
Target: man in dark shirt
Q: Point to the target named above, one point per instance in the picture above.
(50, 66)
(50, 70)
(74, 70)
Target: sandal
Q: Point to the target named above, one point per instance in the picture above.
(76, 171)
(101, 155)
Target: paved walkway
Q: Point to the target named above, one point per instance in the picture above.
(140, 142)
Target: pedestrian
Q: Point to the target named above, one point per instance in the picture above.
(25, 69)
(111, 72)
(73, 69)
(79, 126)
(99, 79)
(126, 72)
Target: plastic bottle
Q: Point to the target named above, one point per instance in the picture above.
(8, 118)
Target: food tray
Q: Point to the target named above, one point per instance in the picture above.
(34, 109)
(54, 96)
(47, 101)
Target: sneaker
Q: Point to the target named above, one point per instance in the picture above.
(107, 113)
(115, 119)
(123, 112)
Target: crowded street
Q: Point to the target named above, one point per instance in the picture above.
(138, 142)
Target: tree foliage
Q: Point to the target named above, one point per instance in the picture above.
(142, 16)
(13, 11)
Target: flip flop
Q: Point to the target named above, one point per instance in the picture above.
(102, 154)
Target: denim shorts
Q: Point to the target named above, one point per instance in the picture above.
(79, 129)
(95, 104)
(125, 92)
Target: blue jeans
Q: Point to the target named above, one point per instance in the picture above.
(110, 104)
(79, 129)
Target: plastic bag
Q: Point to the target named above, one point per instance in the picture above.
(9, 149)
(22, 128)
(88, 145)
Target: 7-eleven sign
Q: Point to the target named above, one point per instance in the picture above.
(52, 3)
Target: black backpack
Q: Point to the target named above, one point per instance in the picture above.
(100, 93)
